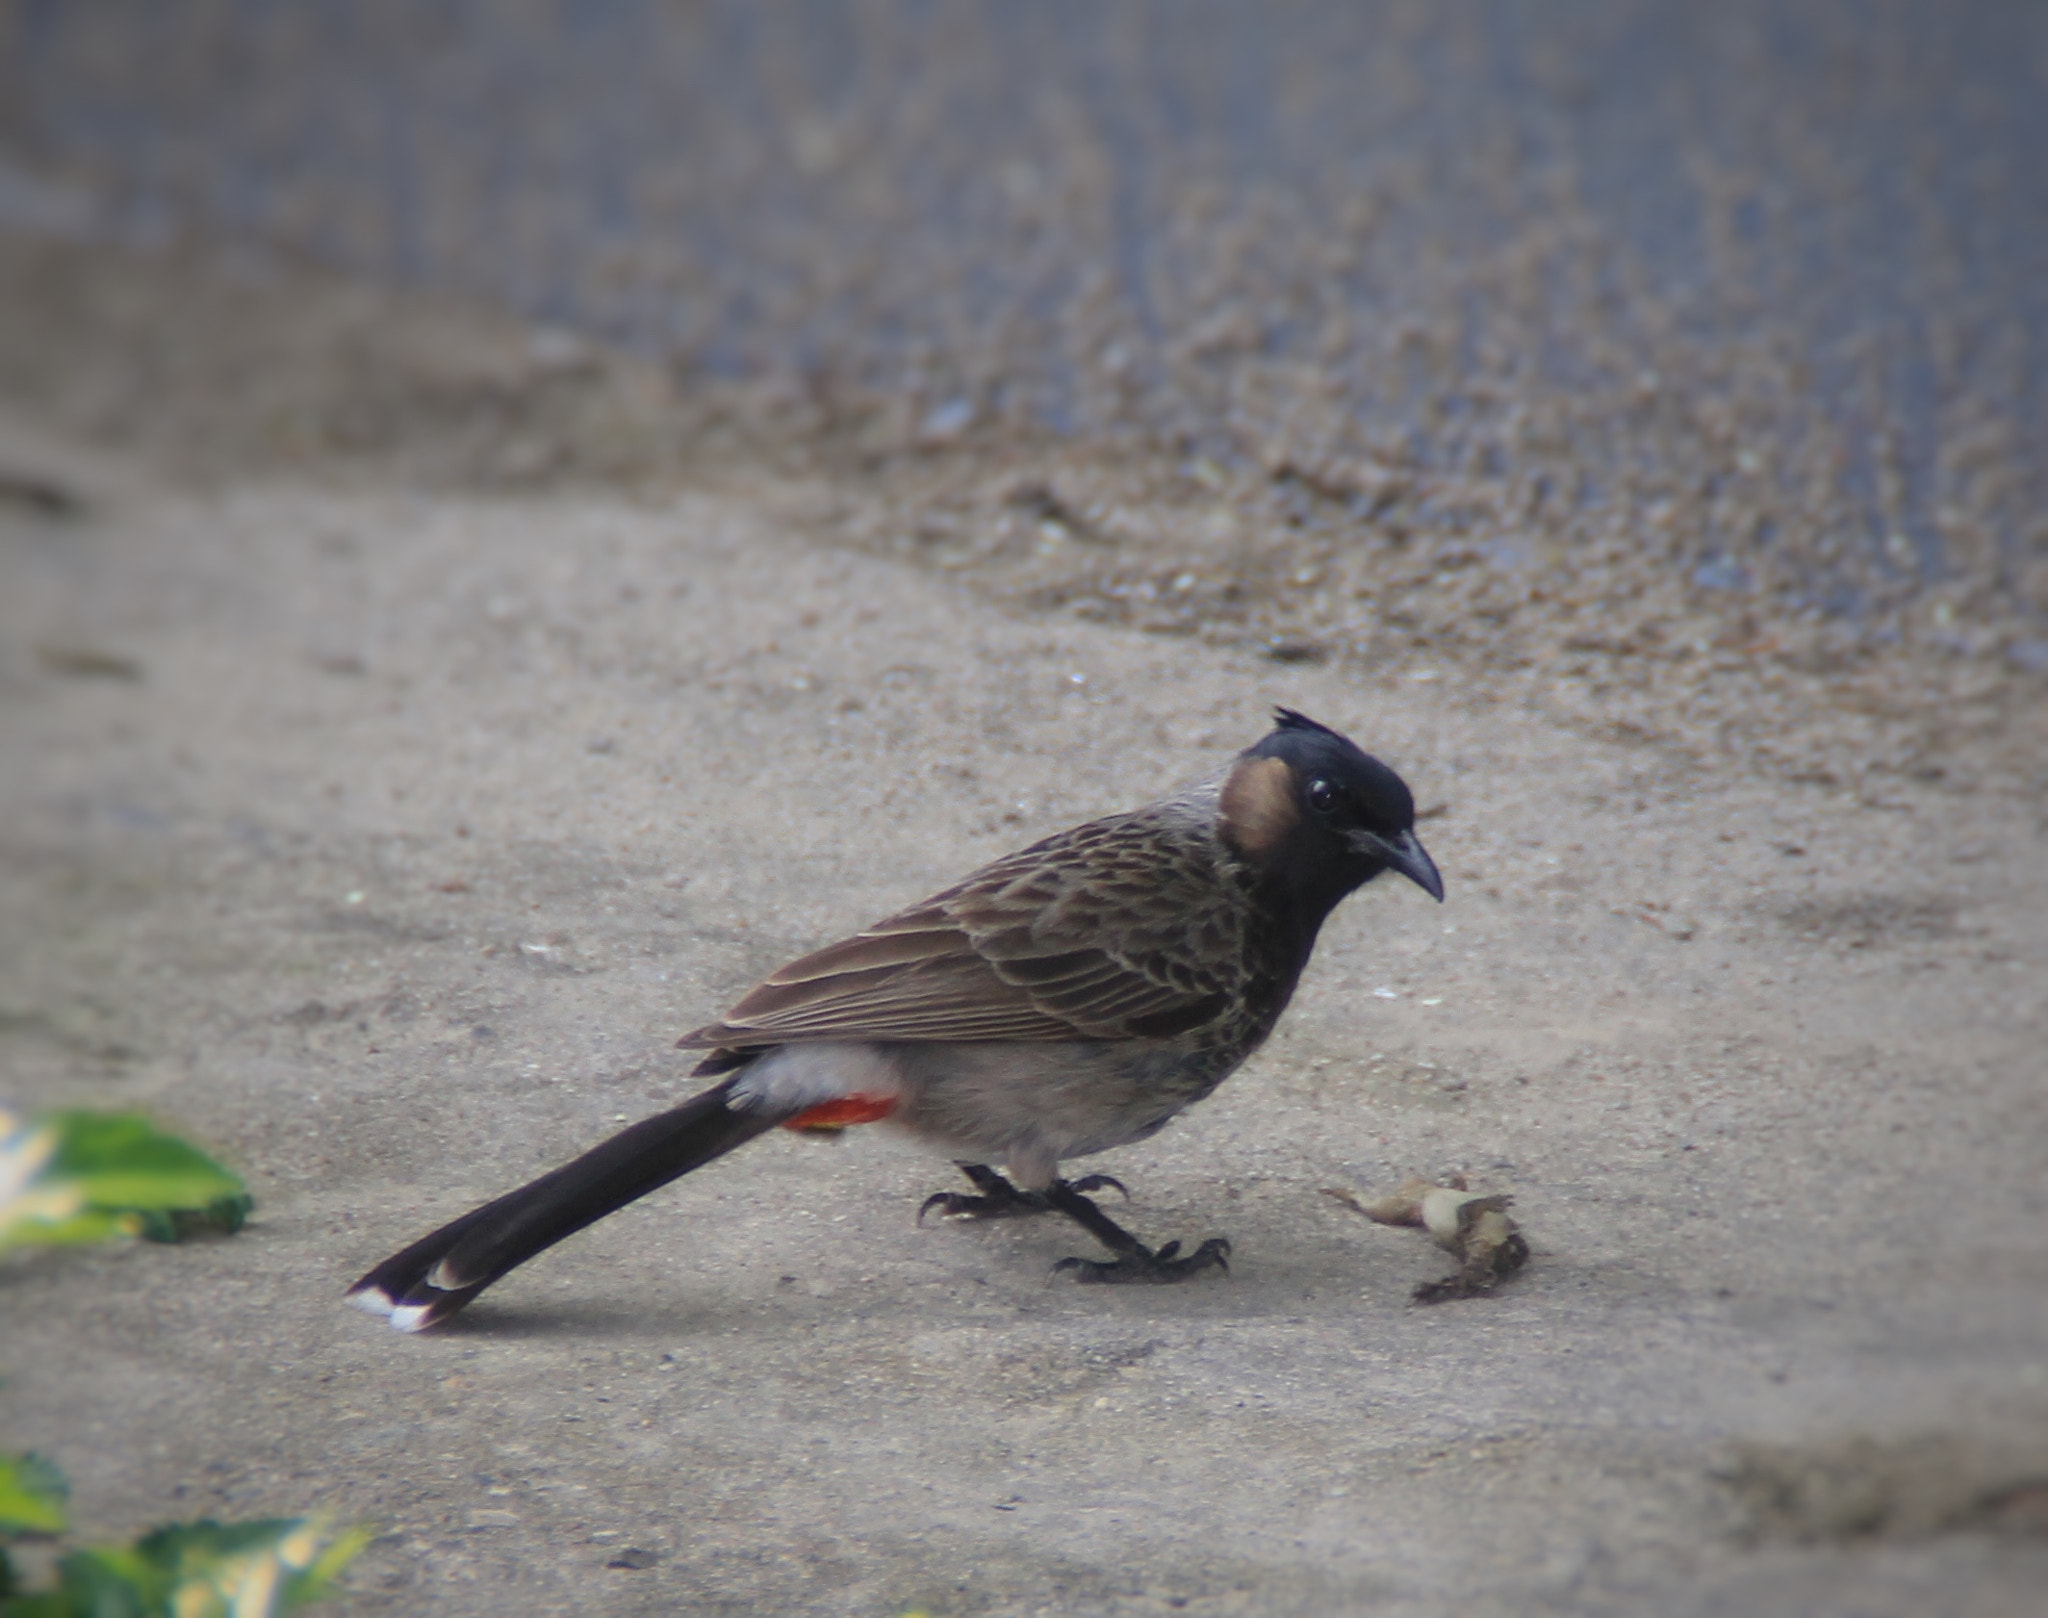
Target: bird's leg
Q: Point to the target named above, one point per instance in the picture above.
(1134, 1261)
(999, 1199)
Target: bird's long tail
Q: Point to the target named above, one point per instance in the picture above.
(438, 1274)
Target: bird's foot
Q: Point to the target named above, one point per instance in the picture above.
(966, 1205)
(1134, 1261)
(1142, 1264)
(997, 1198)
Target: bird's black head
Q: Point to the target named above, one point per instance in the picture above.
(1311, 810)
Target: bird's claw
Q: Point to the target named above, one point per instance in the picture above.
(1143, 1266)
(997, 1198)
(968, 1205)
(953, 1205)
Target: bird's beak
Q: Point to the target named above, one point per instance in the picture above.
(1403, 854)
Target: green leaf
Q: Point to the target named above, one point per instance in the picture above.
(107, 1581)
(27, 1229)
(122, 1162)
(214, 1570)
(32, 1496)
(44, 1604)
(198, 1570)
(74, 1177)
(313, 1581)
(224, 1214)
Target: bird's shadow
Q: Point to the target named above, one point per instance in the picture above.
(491, 1322)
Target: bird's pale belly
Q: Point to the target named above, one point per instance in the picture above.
(1031, 1106)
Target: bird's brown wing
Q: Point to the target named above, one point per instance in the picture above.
(1127, 928)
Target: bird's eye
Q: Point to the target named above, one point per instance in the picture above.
(1322, 797)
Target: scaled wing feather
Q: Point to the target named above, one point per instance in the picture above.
(1012, 953)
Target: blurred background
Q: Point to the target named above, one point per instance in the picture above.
(1745, 304)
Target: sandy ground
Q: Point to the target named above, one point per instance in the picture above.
(383, 837)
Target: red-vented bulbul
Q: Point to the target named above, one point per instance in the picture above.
(1066, 999)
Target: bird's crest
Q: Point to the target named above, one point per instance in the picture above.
(1288, 719)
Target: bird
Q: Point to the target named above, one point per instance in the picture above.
(1071, 997)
